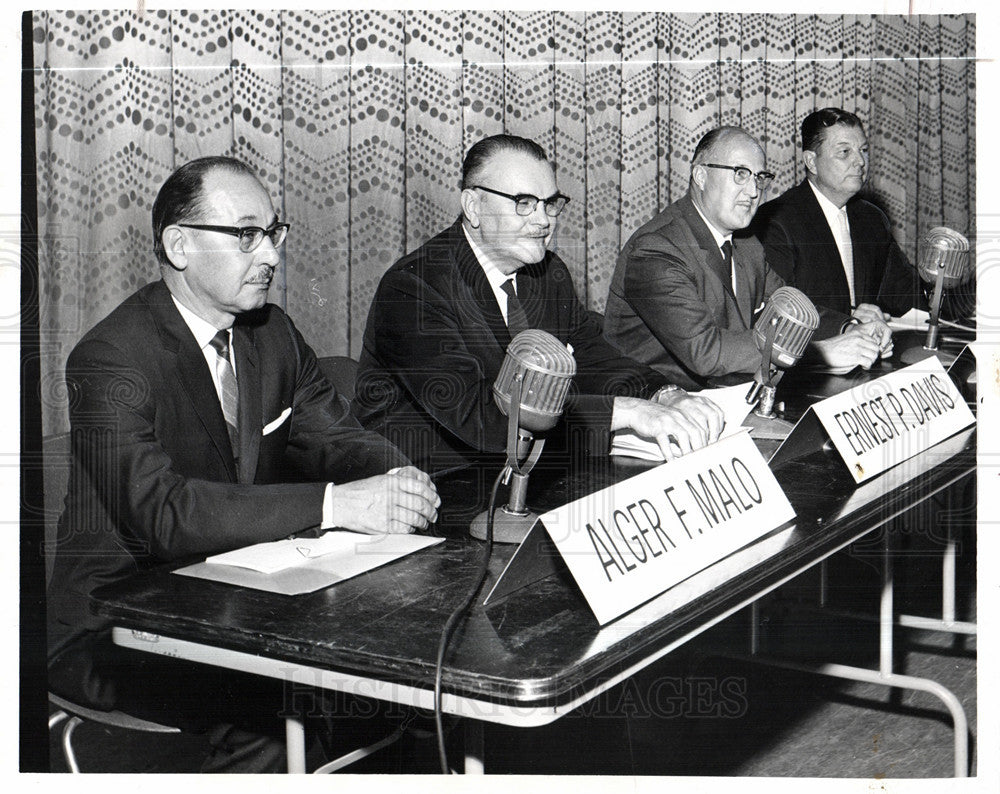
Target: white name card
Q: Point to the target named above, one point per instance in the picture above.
(883, 422)
(634, 540)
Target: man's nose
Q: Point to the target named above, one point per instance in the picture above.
(539, 216)
(750, 189)
(267, 253)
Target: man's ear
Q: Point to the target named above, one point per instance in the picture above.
(174, 241)
(698, 175)
(809, 158)
(470, 207)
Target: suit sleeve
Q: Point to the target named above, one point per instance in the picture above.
(900, 289)
(779, 251)
(662, 289)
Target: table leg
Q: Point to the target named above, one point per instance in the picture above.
(295, 745)
(475, 748)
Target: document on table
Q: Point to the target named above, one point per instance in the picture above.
(918, 320)
(302, 565)
(732, 401)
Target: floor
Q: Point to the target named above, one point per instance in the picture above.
(674, 717)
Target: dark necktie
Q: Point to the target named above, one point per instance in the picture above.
(517, 320)
(727, 255)
(230, 394)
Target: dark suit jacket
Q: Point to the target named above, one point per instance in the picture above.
(671, 302)
(799, 245)
(435, 341)
(153, 475)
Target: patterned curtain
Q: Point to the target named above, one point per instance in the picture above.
(357, 122)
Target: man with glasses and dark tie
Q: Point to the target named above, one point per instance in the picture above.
(443, 316)
(687, 285)
(201, 423)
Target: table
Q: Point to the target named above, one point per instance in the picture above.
(536, 655)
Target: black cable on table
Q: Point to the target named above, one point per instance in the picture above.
(449, 626)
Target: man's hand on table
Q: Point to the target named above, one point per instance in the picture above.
(398, 502)
(677, 422)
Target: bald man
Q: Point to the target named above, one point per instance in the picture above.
(687, 285)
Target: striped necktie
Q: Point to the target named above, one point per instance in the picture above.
(230, 396)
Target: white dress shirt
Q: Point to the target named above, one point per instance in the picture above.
(721, 238)
(493, 274)
(836, 218)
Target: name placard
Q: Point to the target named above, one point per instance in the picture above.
(883, 422)
(630, 542)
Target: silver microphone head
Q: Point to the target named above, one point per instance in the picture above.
(545, 368)
(944, 249)
(795, 318)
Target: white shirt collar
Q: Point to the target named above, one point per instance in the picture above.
(494, 275)
(203, 331)
(830, 210)
(720, 238)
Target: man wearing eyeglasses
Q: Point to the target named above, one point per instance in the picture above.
(687, 285)
(443, 316)
(201, 423)
(829, 242)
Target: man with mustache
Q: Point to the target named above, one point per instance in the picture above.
(201, 423)
(687, 285)
(443, 316)
(826, 240)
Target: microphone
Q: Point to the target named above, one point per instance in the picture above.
(944, 262)
(781, 333)
(530, 390)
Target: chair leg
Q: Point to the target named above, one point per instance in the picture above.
(56, 717)
(67, 743)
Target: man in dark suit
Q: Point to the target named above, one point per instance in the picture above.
(201, 423)
(443, 316)
(826, 240)
(687, 286)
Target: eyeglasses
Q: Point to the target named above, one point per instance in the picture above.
(250, 236)
(741, 174)
(525, 203)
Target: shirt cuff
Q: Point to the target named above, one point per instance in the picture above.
(327, 522)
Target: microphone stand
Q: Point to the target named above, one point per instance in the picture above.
(513, 521)
(763, 389)
(930, 346)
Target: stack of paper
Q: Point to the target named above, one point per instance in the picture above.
(732, 401)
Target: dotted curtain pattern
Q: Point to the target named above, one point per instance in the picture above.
(357, 122)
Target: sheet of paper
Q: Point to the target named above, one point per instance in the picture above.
(280, 554)
(913, 320)
(340, 556)
(732, 401)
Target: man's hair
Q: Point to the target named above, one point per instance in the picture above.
(485, 150)
(711, 139)
(815, 125)
(181, 197)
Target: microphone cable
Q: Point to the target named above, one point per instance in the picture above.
(452, 622)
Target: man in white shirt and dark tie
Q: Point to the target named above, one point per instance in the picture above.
(826, 240)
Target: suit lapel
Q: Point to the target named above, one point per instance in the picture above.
(832, 265)
(860, 246)
(714, 261)
(248, 380)
(192, 371)
(744, 299)
(475, 279)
